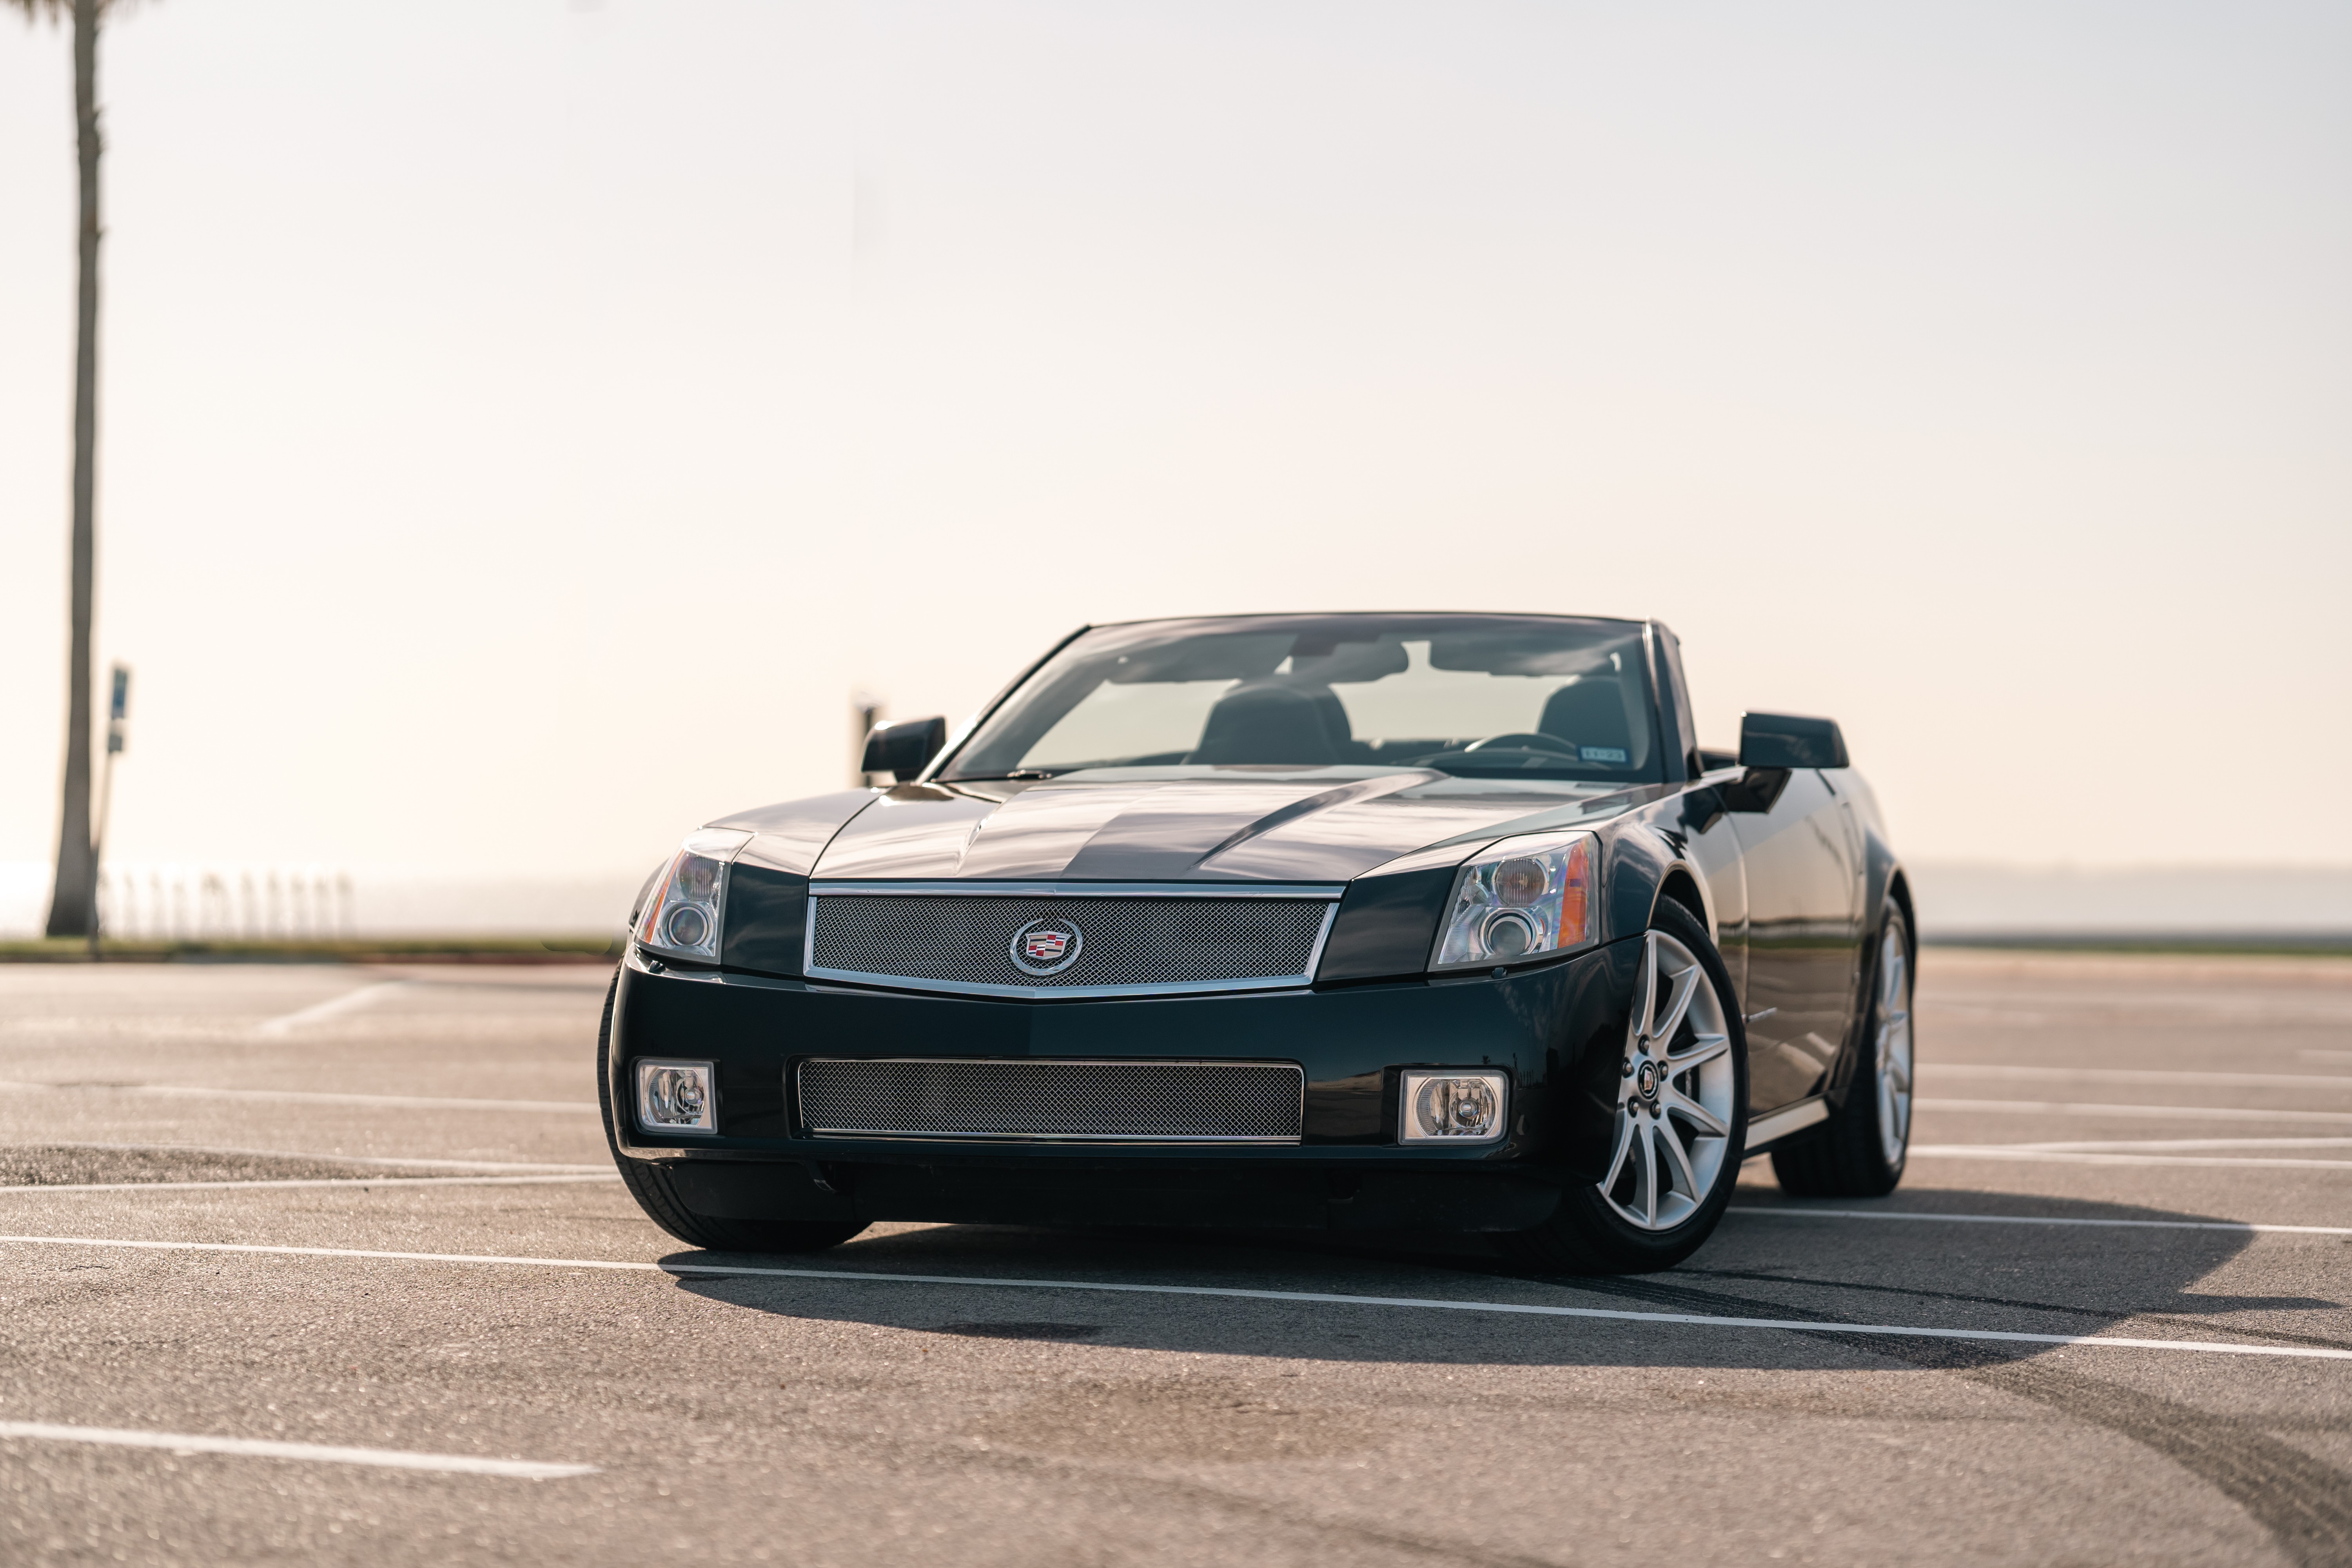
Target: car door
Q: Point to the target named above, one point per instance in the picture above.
(1803, 902)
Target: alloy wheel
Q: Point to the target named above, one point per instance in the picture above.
(1674, 1093)
(1894, 1046)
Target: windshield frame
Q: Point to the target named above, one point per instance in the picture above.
(1659, 769)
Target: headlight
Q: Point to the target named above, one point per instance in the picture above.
(1522, 898)
(682, 916)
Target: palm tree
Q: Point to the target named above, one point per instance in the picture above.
(73, 908)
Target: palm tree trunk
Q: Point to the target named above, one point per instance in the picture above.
(73, 908)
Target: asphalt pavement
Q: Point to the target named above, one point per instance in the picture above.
(320, 1264)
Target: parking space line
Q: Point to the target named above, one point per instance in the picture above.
(1304, 1297)
(2071, 1157)
(311, 1097)
(315, 1453)
(2138, 1074)
(1797, 1211)
(2161, 1112)
(395, 1160)
(348, 1002)
(2182, 1145)
(305, 1181)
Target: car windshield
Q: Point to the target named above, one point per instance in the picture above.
(1504, 696)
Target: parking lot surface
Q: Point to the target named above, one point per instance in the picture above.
(324, 1264)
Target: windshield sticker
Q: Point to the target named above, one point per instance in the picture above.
(1602, 754)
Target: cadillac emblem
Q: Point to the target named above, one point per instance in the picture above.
(1046, 947)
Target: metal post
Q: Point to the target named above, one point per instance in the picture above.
(866, 712)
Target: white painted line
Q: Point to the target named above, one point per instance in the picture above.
(2182, 1145)
(1314, 1297)
(1795, 1211)
(2159, 1112)
(309, 1097)
(2057, 1156)
(305, 1181)
(316, 1453)
(348, 1002)
(617, 1265)
(2138, 1074)
(394, 1160)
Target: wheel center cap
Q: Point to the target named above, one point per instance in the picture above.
(1646, 1080)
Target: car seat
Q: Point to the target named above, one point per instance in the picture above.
(1590, 713)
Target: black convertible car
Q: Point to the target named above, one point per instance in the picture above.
(1377, 921)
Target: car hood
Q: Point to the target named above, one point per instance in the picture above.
(1191, 825)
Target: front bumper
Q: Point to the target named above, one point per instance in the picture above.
(1557, 1030)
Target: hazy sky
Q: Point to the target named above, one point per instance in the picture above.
(525, 423)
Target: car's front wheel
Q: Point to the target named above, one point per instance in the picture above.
(1860, 1151)
(650, 1185)
(1680, 1122)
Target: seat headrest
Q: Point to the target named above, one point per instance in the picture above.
(1269, 723)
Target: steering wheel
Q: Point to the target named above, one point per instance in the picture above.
(1524, 740)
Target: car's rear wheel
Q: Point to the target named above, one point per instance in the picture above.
(1680, 1122)
(1860, 1151)
(650, 1185)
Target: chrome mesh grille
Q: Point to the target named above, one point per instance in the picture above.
(1172, 1102)
(966, 939)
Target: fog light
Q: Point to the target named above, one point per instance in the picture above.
(1454, 1107)
(676, 1097)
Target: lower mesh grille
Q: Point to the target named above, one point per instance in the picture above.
(1247, 1103)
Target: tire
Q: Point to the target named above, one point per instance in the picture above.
(649, 1183)
(1679, 1132)
(1861, 1151)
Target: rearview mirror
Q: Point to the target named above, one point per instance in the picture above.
(904, 749)
(1785, 741)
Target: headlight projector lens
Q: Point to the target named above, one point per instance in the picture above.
(689, 926)
(1508, 936)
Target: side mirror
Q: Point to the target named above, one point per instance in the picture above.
(1785, 741)
(904, 749)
